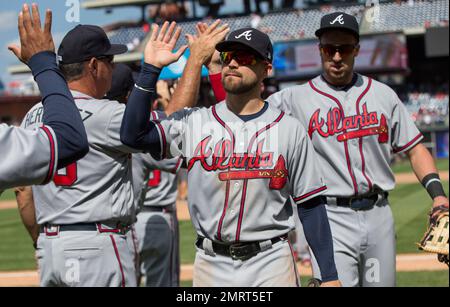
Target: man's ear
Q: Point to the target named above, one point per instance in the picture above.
(269, 70)
(93, 66)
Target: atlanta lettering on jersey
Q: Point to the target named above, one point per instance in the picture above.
(223, 157)
(336, 123)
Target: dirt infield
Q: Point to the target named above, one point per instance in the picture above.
(405, 263)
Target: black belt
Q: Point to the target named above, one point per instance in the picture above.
(366, 202)
(54, 230)
(238, 251)
(167, 209)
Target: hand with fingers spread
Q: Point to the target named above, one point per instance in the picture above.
(160, 47)
(33, 38)
(213, 64)
(203, 45)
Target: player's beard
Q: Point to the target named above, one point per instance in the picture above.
(239, 87)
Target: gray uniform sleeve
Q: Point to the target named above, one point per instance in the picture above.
(113, 130)
(405, 134)
(282, 100)
(29, 157)
(172, 131)
(304, 174)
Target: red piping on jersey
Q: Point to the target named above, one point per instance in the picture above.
(154, 115)
(233, 141)
(363, 160)
(164, 141)
(300, 198)
(347, 155)
(51, 168)
(118, 259)
(409, 144)
(175, 170)
(244, 189)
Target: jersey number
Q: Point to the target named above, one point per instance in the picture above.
(68, 178)
(155, 179)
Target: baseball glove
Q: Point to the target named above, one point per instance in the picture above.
(435, 239)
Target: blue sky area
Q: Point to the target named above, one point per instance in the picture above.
(8, 22)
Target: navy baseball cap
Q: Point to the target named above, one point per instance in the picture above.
(250, 38)
(338, 21)
(85, 42)
(122, 81)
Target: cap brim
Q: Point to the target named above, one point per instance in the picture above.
(230, 46)
(117, 49)
(323, 30)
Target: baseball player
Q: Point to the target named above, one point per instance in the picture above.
(32, 157)
(245, 161)
(155, 236)
(355, 123)
(86, 212)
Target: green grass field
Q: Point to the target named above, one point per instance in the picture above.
(405, 166)
(404, 279)
(8, 195)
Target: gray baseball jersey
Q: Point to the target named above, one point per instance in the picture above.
(28, 157)
(98, 187)
(353, 132)
(154, 181)
(242, 174)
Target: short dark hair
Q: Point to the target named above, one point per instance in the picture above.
(72, 72)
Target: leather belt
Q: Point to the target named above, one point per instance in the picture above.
(167, 209)
(361, 203)
(238, 251)
(54, 230)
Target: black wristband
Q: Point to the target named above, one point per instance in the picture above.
(433, 185)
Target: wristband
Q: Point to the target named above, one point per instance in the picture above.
(433, 185)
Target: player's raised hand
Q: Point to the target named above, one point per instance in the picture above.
(203, 45)
(33, 37)
(159, 50)
(213, 64)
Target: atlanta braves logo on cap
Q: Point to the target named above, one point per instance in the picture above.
(339, 19)
(247, 34)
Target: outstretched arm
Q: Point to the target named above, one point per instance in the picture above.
(137, 131)
(37, 50)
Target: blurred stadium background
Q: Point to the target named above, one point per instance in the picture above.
(404, 44)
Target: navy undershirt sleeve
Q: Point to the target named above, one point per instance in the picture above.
(60, 111)
(317, 230)
(137, 130)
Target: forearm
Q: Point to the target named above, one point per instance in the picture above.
(217, 86)
(425, 169)
(25, 202)
(60, 111)
(187, 91)
(317, 231)
(422, 161)
(137, 131)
